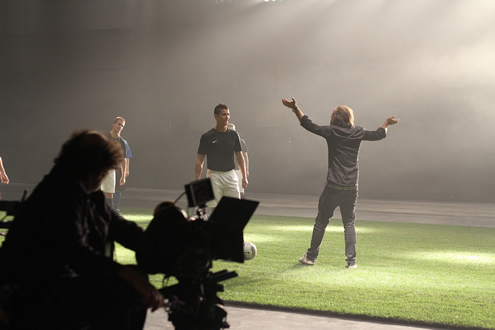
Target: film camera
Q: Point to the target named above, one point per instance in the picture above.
(185, 248)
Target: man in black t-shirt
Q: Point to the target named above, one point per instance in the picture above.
(221, 146)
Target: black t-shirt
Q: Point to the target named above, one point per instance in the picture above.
(244, 150)
(219, 148)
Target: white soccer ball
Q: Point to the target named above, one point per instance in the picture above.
(250, 251)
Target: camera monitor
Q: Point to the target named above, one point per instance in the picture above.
(229, 218)
(199, 192)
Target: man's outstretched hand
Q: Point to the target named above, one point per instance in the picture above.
(289, 104)
(390, 121)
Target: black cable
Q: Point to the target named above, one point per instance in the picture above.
(180, 196)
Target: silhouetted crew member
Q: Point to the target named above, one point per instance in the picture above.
(57, 270)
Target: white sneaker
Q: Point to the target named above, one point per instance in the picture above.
(306, 261)
(351, 265)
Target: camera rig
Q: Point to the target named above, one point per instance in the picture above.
(185, 248)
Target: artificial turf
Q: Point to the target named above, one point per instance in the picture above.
(417, 273)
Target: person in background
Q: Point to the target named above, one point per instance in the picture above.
(245, 151)
(117, 196)
(222, 147)
(343, 142)
(111, 180)
(3, 179)
(3, 174)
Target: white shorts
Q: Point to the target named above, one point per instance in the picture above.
(108, 183)
(239, 180)
(223, 184)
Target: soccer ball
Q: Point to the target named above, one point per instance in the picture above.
(250, 251)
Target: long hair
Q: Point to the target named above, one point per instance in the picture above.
(342, 116)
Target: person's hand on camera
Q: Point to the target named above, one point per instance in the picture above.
(152, 298)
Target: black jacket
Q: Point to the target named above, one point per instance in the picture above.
(62, 231)
(343, 149)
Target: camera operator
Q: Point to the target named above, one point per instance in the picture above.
(57, 270)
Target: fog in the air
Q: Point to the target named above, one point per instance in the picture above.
(164, 65)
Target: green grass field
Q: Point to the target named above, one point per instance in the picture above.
(430, 274)
(410, 272)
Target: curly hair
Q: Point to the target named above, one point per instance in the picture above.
(342, 116)
(89, 152)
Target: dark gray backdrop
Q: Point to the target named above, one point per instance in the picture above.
(164, 65)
